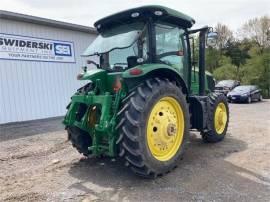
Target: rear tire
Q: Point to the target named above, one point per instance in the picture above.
(218, 119)
(134, 119)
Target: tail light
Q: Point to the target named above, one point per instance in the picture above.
(135, 71)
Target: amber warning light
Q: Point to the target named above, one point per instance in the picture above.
(117, 85)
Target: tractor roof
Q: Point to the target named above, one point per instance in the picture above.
(157, 12)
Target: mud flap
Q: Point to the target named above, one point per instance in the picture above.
(199, 113)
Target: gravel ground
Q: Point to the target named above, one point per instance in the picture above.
(38, 164)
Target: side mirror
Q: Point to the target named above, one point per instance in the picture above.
(212, 39)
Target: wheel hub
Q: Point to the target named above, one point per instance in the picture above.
(165, 128)
(220, 118)
(171, 129)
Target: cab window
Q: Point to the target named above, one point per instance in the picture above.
(169, 46)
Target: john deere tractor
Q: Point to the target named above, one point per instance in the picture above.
(145, 94)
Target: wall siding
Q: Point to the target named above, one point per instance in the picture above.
(34, 90)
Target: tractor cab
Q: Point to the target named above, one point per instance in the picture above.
(146, 35)
(141, 100)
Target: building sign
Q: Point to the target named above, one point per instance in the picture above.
(15, 47)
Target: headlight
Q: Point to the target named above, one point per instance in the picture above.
(245, 94)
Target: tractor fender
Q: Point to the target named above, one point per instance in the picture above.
(153, 70)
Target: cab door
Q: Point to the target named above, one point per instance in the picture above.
(169, 47)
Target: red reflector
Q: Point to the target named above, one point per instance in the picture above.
(135, 71)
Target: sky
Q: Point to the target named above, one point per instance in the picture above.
(85, 12)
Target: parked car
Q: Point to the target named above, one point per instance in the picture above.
(247, 93)
(226, 86)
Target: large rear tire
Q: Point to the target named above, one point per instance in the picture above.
(153, 127)
(218, 118)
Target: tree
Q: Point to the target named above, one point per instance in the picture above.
(224, 35)
(246, 59)
(258, 30)
(211, 59)
(238, 52)
(214, 56)
(257, 71)
(224, 72)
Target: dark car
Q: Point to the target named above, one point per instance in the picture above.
(226, 86)
(246, 93)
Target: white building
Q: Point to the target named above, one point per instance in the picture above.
(39, 62)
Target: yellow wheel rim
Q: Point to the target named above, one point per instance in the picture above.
(220, 118)
(165, 128)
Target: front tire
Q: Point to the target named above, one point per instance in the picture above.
(153, 128)
(80, 139)
(218, 119)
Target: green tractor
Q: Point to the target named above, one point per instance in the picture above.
(145, 94)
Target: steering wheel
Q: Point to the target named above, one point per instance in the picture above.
(119, 63)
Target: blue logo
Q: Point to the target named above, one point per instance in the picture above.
(62, 49)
